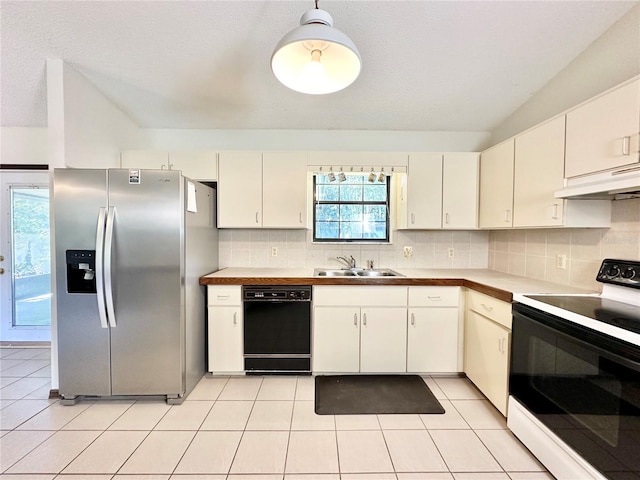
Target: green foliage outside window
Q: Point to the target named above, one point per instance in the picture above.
(352, 210)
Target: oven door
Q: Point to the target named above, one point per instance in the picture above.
(582, 385)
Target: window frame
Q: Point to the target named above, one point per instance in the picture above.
(387, 204)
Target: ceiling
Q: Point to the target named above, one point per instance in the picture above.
(427, 65)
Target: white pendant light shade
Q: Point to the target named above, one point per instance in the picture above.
(315, 58)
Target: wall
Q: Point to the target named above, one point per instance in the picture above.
(252, 248)
(608, 61)
(532, 253)
(85, 128)
(20, 145)
(305, 140)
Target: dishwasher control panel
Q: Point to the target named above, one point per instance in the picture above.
(276, 293)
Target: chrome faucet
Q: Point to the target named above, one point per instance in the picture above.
(349, 262)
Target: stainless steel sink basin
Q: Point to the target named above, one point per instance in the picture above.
(379, 272)
(327, 272)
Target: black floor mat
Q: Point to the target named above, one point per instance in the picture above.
(374, 394)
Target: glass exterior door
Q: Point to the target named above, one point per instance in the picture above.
(25, 278)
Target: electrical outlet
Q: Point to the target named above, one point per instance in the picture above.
(274, 251)
(561, 262)
(451, 252)
(407, 252)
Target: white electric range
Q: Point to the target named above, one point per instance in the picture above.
(575, 377)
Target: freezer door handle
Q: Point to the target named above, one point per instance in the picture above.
(102, 310)
(108, 250)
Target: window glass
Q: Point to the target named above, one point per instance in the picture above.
(354, 209)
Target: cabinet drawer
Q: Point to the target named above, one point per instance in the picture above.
(434, 296)
(224, 295)
(490, 307)
(345, 295)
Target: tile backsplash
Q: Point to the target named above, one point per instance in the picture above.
(253, 248)
(530, 253)
(533, 253)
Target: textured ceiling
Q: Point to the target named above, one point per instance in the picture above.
(427, 65)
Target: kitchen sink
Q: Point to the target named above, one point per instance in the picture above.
(327, 272)
(378, 272)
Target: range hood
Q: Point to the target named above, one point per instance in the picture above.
(604, 185)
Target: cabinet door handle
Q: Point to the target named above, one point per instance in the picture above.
(235, 318)
(554, 215)
(626, 146)
(413, 218)
(224, 297)
(486, 307)
(446, 218)
(257, 221)
(364, 319)
(355, 319)
(434, 298)
(507, 215)
(413, 319)
(500, 345)
(300, 216)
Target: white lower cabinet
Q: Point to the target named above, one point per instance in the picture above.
(225, 330)
(383, 339)
(348, 338)
(488, 346)
(336, 339)
(433, 330)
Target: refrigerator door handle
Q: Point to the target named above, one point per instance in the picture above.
(102, 310)
(108, 250)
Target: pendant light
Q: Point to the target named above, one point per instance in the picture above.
(316, 58)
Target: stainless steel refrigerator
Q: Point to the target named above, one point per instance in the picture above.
(130, 246)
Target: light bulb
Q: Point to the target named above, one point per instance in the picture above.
(313, 72)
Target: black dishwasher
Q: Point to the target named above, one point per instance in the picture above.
(277, 329)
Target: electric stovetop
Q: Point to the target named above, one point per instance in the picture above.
(606, 310)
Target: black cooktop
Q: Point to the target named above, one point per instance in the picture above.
(621, 315)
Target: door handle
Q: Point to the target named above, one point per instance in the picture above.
(102, 309)
(413, 319)
(235, 318)
(364, 319)
(257, 221)
(108, 254)
(554, 215)
(626, 146)
(300, 216)
(446, 218)
(355, 319)
(413, 218)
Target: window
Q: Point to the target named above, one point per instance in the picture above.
(352, 210)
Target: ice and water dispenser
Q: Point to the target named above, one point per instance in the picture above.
(81, 268)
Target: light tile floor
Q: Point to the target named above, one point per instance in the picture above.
(246, 428)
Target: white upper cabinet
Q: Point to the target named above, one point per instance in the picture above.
(496, 186)
(460, 190)
(539, 172)
(284, 189)
(195, 164)
(262, 190)
(424, 191)
(603, 134)
(440, 190)
(240, 190)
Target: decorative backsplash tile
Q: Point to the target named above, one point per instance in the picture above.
(253, 248)
(533, 253)
(530, 253)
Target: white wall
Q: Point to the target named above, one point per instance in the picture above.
(344, 140)
(86, 128)
(23, 145)
(608, 61)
